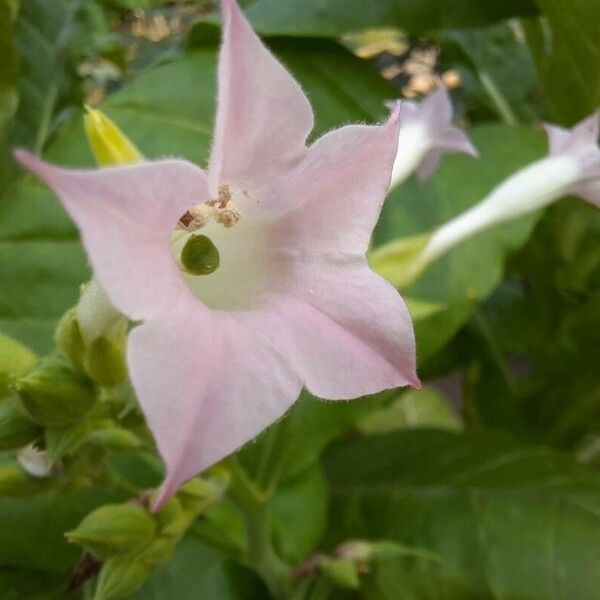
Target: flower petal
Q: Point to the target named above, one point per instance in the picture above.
(352, 333)
(263, 116)
(126, 216)
(208, 382)
(334, 196)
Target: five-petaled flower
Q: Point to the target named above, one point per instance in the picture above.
(249, 281)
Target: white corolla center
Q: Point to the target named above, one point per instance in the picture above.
(239, 235)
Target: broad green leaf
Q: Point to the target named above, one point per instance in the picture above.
(508, 521)
(334, 17)
(471, 271)
(570, 61)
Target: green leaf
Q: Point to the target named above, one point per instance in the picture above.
(412, 409)
(197, 569)
(569, 62)
(507, 520)
(334, 17)
(471, 271)
(35, 538)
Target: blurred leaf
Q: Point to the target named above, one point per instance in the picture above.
(503, 76)
(9, 75)
(35, 537)
(412, 409)
(507, 520)
(197, 570)
(569, 62)
(334, 17)
(471, 271)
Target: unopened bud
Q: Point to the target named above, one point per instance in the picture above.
(65, 439)
(116, 438)
(114, 529)
(109, 144)
(172, 519)
(15, 359)
(119, 578)
(16, 428)
(343, 572)
(69, 340)
(200, 492)
(53, 394)
(105, 360)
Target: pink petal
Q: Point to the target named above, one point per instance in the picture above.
(558, 138)
(208, 382)
(126, 216)
(334, 196)
(263, 116)
(352, 333)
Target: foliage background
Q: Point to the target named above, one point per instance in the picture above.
(491, 470)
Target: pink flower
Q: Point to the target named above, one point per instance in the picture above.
(425, 135)
(220, 356)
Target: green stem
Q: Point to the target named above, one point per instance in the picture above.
(501, 104)
(261, 555)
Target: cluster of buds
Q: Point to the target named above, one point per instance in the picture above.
(127, 542)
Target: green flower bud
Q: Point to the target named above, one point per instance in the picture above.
(65, 439)
(158, 552)
(16, 428)
(105, 359)
(69, 340)
(116, 438)
(53, 394)
(200, 256)
(343, 572)
(172, 519)
(119, 578)
(201, 492)
(15, 359)
(15, 482)
(114, 529)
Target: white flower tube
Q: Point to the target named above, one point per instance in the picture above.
(426, 133)
(572, 167)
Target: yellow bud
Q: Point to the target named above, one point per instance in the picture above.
(109, 144)
(15, 358)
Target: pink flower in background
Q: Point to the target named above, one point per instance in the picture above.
(572, 167)
(427, 133)
(287, 301)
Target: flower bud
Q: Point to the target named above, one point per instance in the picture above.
(116, 438)
(105, 360)
(172, 519)
(343, 572)
(120, 577)
(69, 340)
(114, 529)
(15, 359)
(65, 439)
(109, 144)
(53, 394)
(16, 428)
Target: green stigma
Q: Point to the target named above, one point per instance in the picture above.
(200, 256)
